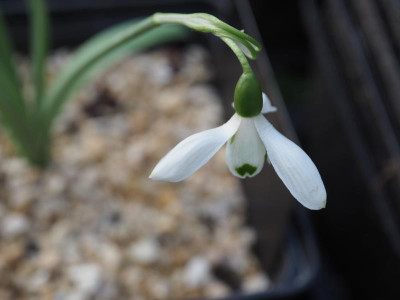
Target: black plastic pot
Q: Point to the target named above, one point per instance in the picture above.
(356, 63)
(301, 264)
(286, 245)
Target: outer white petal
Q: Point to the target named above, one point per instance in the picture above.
(293, 166)
(245, 152)
(193, 152)
(267, 107)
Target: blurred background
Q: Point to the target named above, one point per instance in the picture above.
(332, 67)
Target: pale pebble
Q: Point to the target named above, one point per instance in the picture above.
(197, 272)
(14, 224)
(145, 251)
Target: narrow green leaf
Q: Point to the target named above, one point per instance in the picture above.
(91, 58)
(15, 125)
(9, 80)
(102, 50)
(5, 45)
(39, 44)
(12, 105)
(7, 85)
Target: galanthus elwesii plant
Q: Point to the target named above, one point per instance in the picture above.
(29, 118)
(250, 137)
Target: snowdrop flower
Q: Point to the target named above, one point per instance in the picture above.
(250, 137)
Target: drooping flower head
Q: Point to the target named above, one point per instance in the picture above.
(249, 140)
(250, 137)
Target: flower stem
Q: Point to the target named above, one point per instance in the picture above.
(239, 54)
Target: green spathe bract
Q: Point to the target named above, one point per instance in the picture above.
(248, 96)
(208, 23)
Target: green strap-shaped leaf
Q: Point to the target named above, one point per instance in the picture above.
(100, 51)
(91, 58)
(39, 44)
(9, 80)
(15, 125)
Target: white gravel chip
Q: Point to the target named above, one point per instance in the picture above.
(145, 251)
(86, 277)
(14, 225)
(197, 272)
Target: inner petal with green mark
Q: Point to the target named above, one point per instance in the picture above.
(246, 169)
(245, 152)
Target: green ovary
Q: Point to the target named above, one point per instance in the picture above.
(246, 169)
(248, 100)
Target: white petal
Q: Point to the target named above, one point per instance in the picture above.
(267, 107)
(245, 152)
(193, 152)
(293, 166)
